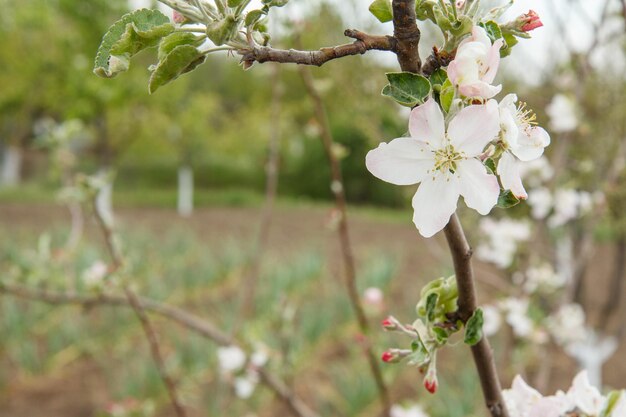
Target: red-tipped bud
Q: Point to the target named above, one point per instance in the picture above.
(177, 17)
(390, 324)
(529, 21)
(430, 381)
(388, 356)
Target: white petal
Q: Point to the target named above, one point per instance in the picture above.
(530, 143)
(479, 89)
(479, 189)
(402, 161)
(434, 203)
(426, 123)
(474, 127)
(508, 170)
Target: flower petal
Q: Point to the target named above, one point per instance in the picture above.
(479, 189)
(474, 127)
(493, 61)
(434, 202)
(530, 143)
(426, 123)
(508, 170)
(479, 89)
(402, 161)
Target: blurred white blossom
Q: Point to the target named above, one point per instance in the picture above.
(503, 237)
(231, 358)
(411, 411)
(516, 315)
(567, 325)
(245, 385)
(94, 275)
(492, 320)
(562, 113)
(542, 277)
(540, 201)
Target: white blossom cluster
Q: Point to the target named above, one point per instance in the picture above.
(241, 370)
(502, 239)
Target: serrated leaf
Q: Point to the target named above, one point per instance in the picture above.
(381, 9)
(222, 31)
(253, 16)
(474, 328)
(180, 60)
(431, 306)
(493, 30)
(407, 88)
(175, 39)
(143, 25)
(507, 199)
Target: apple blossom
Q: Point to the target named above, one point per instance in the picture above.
(540, 201)
(521, 141)
(529, 21)
(491, 320)
(231, 358)
(516, 310)
(411, 411)
(503, 237)
(567, 324)
(430, 381)
(591, 353)
(373, 297)
(245, 385)
(94, 275)
(475, 65)
(562, 113)
(444, 162)
(542, 277)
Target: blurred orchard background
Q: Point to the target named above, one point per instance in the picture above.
(220, 191)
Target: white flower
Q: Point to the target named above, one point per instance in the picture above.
(412, 411)
(492, 320)
(584, 396)
(260, 357)
(231, 358)
(542, 277)
(562, 113)
(94, 275)
(503, 239)
(475, 65)
(570, 204)
(443, 161)
(537, 171)
(516, 310)
(524, 401)
(245, 385)
(540, 201)
(521, 139)
(567, 325)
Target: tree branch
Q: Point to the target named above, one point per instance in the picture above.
(361, 45)
(482, 352)
(194, 323)
(407, 35)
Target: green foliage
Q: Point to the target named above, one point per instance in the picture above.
(182, 59)
(474, 328)
(175, 39)
(381, 9)
(134, 32)
(407, 88)
(507, 199)
(222, 31)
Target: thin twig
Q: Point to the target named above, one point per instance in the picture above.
(194, 323)
(337, 188)
(361, 45)
(467, 304)
(133, 300)
(404, 24)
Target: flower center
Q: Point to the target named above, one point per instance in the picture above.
(525, 116)
(446, 159)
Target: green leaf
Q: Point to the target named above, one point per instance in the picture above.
(407, 88)
(510, 41)
(180, 60)
(441, 335)
(381, 9)
(431, 306)
(275, 3)
(222, 31)
(491, 165)
(133, 32)
(446, 96)
(611, 402)
(253, 16)
(175, 39)
(234, 3)
(474, 328)
(438, 78)
(507, 199)
(493, 30)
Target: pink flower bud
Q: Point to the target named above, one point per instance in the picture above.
(529, 21)
(178, 17)
(388, 356)
(390, 324)
(430, 381)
